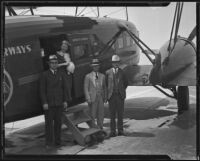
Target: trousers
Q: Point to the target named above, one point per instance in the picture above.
(53, 122)
(116, 107)
(96, 110)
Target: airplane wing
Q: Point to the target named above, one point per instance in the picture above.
(23, 26)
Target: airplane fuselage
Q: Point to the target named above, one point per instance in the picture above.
(26, 36)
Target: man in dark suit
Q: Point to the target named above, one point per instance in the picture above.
(53, 92)
(116, 94)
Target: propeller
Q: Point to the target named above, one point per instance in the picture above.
(191, 36)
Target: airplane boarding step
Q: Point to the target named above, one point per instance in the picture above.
(77, 115)
(90, 131)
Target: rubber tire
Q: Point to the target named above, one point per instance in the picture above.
(183, 98)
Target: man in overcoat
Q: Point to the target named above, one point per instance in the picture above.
(54, 97)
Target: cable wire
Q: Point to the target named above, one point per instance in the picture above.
(82, 11)
(93, 11)
(114, 12)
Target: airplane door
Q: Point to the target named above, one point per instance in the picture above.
(81, 56)
(50, 45)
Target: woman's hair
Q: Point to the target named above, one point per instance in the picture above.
(66, 42)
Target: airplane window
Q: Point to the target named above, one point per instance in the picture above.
(80, 51)
(120, 43)
(113, 46)
(128, 40)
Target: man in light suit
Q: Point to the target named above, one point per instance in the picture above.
(116, 91)
(95, 93)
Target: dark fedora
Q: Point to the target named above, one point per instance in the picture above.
(95, 62)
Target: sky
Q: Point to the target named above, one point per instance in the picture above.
(154, 23)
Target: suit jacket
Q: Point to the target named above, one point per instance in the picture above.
(90, 86)
(122, 83)
(53, 88)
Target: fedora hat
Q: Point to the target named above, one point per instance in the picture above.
(95, 62)
(115, 58)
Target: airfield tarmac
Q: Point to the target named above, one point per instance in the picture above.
(151, 125)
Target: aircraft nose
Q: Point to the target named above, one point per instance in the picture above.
(122, 26)
(177, 60)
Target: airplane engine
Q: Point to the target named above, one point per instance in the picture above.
(177, 65)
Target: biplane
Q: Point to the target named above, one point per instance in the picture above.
(29, 40)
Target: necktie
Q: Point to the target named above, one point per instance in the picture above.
(96, 75)
(54, 72)
(115, 70)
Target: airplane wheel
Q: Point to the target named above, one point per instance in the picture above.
(183, 98)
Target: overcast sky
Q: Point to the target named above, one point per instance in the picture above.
(154, 23)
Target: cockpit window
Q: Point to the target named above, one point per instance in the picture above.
(129, 40)
(120, 42)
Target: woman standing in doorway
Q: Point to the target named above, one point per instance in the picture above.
(65, 64)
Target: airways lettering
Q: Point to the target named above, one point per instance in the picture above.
(11, 51)
(22, 49)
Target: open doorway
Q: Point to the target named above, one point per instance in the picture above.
(50, 45)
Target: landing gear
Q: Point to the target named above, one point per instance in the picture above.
(182, 99)
(180, 93)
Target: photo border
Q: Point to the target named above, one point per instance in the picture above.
(95, 3)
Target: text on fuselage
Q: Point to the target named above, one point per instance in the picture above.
(15, 50)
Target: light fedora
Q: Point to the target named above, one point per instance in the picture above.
(115, 58)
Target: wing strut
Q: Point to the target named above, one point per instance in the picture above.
(138, 41)
(111, 42)
(172, 89)
(177, 18)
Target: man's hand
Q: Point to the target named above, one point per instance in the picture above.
(65, 105)
(105, 101)
(89, 102)
(45, 106)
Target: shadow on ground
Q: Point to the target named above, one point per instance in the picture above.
(139, 134)
(187, 119)
(141, 108)
(144, 108)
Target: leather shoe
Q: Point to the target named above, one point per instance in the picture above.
(48, 147)
(58, 145)
(112, 135)
(121, 134)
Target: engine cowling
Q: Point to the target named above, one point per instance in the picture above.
(177, 65)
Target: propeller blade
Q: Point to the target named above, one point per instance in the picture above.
(192, 34)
